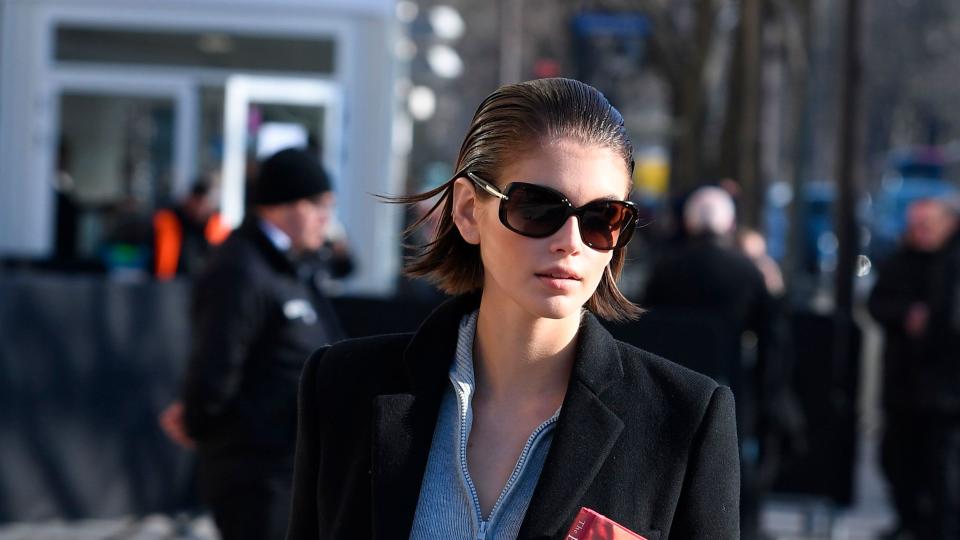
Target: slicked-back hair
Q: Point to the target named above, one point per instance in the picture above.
(514, 119)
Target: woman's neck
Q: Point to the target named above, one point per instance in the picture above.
(520, 357)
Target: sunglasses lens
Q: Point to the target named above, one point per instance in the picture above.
(537, 212)
(534, 211)
(606, 224)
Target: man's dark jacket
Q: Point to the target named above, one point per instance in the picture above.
(921, 374)
(256, 317)
(706, 273)
(639, 439)
(714, 280)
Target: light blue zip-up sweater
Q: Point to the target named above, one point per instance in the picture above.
(448, 507)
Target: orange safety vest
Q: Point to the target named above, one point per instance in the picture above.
(168, 240)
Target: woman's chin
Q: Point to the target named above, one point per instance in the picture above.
(557, 307)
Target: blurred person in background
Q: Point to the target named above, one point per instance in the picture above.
(67, 209)
(184, 234)
(754, 246)
(333, 261)
(915, 300)
(257, 313)
(708, 273)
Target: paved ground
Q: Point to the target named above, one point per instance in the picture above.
(156, 527)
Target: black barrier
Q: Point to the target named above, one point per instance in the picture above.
(86, 365)
(827, 389)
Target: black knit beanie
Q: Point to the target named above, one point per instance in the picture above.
(287, 176)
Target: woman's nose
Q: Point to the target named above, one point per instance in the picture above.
(567, 238)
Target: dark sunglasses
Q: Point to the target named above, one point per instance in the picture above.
(538, 211)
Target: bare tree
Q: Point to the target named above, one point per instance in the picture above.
(913, 50)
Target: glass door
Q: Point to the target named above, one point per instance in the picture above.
(125, 147)
(263, 115)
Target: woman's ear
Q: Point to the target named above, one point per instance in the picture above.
(465, 208)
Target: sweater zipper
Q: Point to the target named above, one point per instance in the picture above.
(482, 533)
(521, 462)
(461, 401)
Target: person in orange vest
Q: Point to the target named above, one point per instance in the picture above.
(184, 234)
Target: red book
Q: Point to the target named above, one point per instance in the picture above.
(589, 525)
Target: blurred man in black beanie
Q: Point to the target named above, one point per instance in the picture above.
(257, 314)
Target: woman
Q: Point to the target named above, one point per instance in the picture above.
(511, 407)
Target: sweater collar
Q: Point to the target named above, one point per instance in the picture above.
(597, 362)
(404, 418)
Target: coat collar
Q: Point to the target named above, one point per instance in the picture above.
(404, 418)
(280, 261)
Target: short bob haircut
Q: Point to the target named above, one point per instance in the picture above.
(515, 119)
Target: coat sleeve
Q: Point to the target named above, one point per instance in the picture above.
(709, 505)
(304, 523)
(229, 314)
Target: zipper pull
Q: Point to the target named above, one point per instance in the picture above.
(482, 533)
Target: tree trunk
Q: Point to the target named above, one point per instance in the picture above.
(729, 160)
(689, 103)
(687, 153)
(799, 35)
(749, 121)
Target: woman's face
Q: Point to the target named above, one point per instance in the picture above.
(550, 277)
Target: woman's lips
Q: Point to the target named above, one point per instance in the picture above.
(561, 281)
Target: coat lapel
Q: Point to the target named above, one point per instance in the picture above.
(586, 432)
(404, 418)
(403, 431)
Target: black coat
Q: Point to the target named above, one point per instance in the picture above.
(720, 284)
(640, 439)
(921, 374)
(255, 320)
(705, 273)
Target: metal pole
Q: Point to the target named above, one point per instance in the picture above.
(848, 190)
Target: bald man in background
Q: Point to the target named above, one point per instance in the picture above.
(709, 274)
(708, 271)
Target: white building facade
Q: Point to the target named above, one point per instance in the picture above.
(133, 99)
